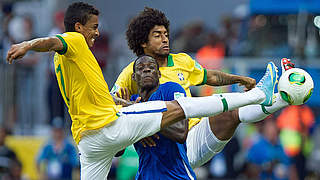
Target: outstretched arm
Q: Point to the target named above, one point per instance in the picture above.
(219, 78)
(17, 51)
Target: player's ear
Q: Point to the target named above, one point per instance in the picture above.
(144, 45)
(78, 27)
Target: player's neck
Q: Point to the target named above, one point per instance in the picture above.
(145, 93)
(162, 61)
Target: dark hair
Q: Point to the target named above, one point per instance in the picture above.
(141, 25)
(78, 12)
(144, 55)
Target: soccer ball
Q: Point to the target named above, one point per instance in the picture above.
(295, 86)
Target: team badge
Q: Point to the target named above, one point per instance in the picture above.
(180, 75)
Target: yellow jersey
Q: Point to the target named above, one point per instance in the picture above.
(82, 86)
(181, 68)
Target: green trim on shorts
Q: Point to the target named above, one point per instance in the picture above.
(65, 45)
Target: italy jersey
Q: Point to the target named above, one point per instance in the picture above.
(168, 159)
(82, 86)
(181, 68)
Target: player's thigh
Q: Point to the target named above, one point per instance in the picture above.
(95, 155)
(135, 122)
(140, 120)
(202, 144)
(98, 169)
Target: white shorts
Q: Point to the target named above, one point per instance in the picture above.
(202, 144)
(98, 147)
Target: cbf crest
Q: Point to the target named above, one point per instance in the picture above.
(180, 76)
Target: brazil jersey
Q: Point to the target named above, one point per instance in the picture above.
(168, 159)
(82, 86)
(181, 68)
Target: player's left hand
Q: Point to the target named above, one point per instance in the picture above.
(248, 82)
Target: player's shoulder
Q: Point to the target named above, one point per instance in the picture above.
(172, 86)
(170, 83)
(180, 56)
(170, 91)
(182, 59)
(72, 35)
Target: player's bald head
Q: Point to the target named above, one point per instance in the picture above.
(144, 58)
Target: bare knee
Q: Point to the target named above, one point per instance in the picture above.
(224, 125)
(173, 114)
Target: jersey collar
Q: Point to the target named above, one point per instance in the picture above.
(170, 61)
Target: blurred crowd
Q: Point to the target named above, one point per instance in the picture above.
(284, 146)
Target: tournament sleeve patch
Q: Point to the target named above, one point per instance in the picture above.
(65, 45)
(178, 95)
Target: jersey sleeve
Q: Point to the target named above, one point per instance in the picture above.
(72, 44)
(125, 81)
(173, 91)
(198, 74)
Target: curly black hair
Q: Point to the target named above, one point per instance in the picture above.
(141, 25)
(78, 12)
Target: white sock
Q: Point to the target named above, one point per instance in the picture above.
(218, 103)
(254, 113)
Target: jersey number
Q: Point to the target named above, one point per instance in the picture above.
(62, 83)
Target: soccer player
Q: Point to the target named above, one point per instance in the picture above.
(100, 127)
(148, 33)
(168, 159)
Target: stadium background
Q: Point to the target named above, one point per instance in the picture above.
(248, 33)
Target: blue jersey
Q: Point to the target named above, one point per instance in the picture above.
(168, 159)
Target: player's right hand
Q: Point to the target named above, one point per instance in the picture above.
(17, 51)
(126, 96)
